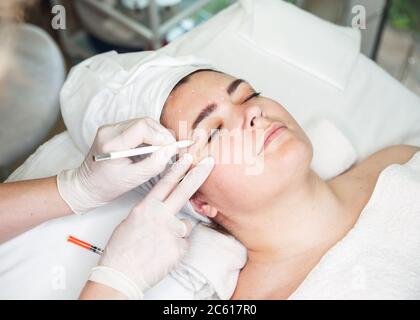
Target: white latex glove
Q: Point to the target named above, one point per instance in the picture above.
(148, 244)
(94, 184)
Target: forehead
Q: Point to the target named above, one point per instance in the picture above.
(190, 97)
(204, 80)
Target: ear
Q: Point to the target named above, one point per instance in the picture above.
(203, 207)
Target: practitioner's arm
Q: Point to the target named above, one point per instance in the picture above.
(97, 291)
(25, 204)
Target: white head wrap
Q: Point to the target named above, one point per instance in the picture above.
(112, 87)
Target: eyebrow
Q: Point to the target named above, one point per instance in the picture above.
(213, 106)
(233, 86)
(204, 114)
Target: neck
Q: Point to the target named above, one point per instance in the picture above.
(303, 222)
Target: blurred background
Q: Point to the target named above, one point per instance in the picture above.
(392, 39)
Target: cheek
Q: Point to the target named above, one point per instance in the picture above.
(233, 148)
(278, 112)
(219, 182)
(230, 189)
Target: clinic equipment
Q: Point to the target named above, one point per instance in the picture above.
(29, 94)
(137, 151)
(85, 245)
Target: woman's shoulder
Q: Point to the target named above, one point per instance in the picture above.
(360, 181)
(372, 166)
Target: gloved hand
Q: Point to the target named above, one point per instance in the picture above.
(94, 184)
(151, 240)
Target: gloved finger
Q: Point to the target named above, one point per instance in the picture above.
(143, 131)
(155, 163)
(189, 227)
(181, 228)
(171, 179)
(189, 185)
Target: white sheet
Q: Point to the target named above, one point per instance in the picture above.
(373, 110)
(380, 257)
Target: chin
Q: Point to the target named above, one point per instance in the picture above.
(292, 156)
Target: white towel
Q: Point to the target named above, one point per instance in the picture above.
(380, 257)
(211, 267)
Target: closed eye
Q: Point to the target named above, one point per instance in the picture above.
(254, 95)
(214, 132)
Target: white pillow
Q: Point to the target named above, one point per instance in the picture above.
(333, 153)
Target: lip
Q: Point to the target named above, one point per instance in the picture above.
(273, 132)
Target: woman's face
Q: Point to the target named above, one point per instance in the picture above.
(258, 147)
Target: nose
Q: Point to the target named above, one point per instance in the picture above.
(254, 116)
